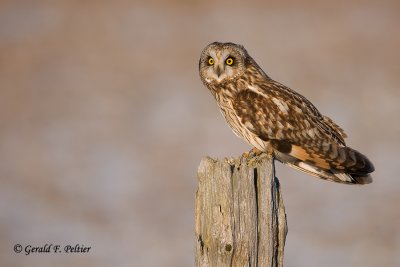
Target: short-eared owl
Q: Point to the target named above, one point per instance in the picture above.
(275, 119)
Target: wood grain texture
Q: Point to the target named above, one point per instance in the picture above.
(240, 216)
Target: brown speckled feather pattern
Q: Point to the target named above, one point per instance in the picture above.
(274, 118)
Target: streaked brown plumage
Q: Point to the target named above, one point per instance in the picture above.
(275, 119)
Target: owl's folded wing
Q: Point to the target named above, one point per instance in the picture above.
(279, 115)
(296, 129)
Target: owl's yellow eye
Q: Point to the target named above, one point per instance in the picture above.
(210, 61)
(229, 61)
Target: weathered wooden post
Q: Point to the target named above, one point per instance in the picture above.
(240, 216)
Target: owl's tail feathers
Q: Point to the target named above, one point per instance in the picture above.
(357, 166)
(339, 164)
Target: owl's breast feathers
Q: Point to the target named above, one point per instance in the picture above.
(298, 134)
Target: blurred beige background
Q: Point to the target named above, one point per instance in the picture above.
(104, 120)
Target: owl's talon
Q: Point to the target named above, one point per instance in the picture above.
(254, 152)
(245, 155)
(252, 155)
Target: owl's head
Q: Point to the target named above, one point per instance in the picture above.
(222, 62)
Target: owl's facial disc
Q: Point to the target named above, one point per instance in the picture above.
(218, 70)
(219, 65)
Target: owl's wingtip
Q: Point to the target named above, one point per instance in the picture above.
(366, 179)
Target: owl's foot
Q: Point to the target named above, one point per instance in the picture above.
(254, 152)
(254, 156)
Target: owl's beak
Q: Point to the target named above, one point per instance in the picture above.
(218, 71)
